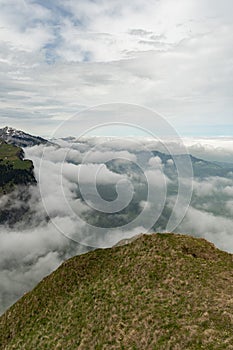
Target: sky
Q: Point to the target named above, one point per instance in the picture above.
(58, 58)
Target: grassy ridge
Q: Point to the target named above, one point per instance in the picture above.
(162, 291)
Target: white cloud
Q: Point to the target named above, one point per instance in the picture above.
(175, 58)
(156, 163)
(216, 229)
(217, 149)
(212, 186)
(27, 253)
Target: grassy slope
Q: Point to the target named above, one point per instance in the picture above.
(10, 154)
(159, 292)
(13, 169)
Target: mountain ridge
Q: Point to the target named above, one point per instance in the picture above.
(161, 291)
(20, 138)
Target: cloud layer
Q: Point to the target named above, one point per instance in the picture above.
(67, 214)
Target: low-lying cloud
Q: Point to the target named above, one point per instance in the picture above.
(65, 215)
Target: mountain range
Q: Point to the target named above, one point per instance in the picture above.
(202, 169)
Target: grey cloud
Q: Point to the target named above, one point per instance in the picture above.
(140, 32)
(201, 59)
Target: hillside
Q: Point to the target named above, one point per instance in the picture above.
(16, 176)
(161, 291)
(14, 169)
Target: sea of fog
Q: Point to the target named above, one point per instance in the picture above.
(93, 192)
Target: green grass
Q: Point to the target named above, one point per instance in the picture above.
(158, 292)
(14, 169)
(10, 154)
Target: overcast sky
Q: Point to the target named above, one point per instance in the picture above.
(59, 57)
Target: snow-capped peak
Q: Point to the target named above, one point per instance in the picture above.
(20, 138)
(11, 131)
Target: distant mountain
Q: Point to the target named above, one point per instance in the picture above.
(162, 291)
(201, 168)
(20, 138)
